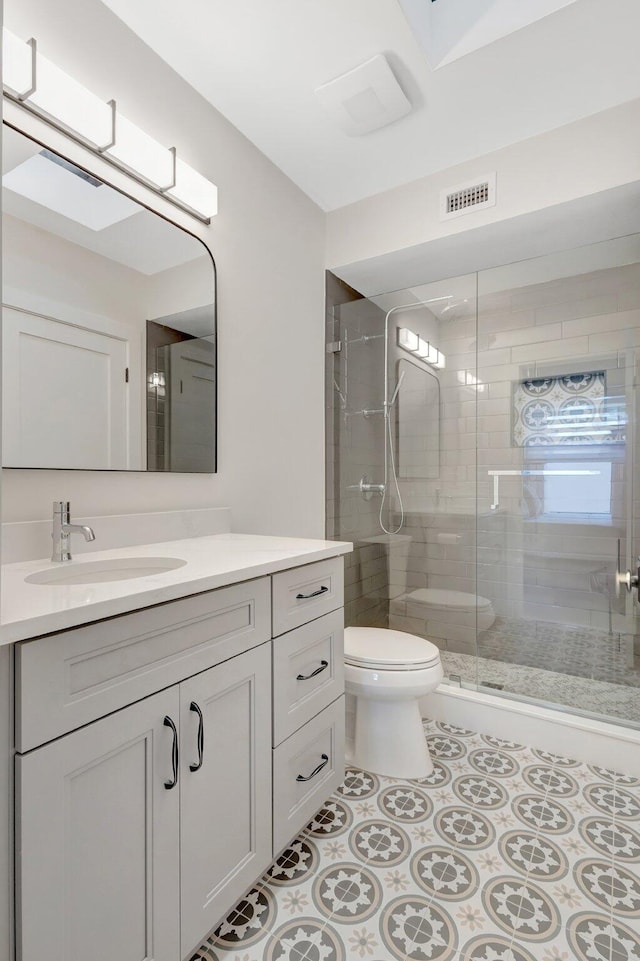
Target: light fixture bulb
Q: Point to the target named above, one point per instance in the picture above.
(194, 191)
(140, 153)
(407, 339)
(423, 348)
(61, 98)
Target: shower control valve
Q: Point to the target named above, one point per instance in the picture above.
(365, 488)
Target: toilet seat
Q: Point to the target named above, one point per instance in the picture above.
(381, 649)
(443, 600)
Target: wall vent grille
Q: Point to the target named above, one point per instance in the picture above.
(465, 198)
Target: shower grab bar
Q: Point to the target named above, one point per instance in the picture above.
(497, 474)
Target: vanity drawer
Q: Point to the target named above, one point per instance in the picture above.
(69, 679)
(319, 742)
(308, 672)
(304, 593)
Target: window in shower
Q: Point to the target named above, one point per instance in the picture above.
(579, 495)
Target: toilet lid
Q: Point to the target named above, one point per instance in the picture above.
(386, 650)
(449, 600)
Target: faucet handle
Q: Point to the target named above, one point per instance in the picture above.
(62, 507)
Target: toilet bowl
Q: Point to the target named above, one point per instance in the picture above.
(388, 672)
(458, 608)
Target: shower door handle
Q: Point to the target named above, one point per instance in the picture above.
(629, 580)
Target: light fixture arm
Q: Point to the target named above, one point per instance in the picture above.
(33, 43)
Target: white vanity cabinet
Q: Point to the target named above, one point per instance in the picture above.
(308, 693)
(105, 816)
(149, 750)
(96, 826)
(225, 805)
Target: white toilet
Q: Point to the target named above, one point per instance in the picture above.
(457, 608)
(388, 672)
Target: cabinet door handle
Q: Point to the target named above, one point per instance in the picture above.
(316, 770)
(305, 597)
(174, 753)
(305, 677)
(196, 708)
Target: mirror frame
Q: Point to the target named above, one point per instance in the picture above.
(96, 165)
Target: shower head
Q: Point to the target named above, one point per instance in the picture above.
(453, 306)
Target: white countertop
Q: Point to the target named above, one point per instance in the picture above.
(30, 610)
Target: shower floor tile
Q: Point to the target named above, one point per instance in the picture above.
(602, 698)
(504, 853)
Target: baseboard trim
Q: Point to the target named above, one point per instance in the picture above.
(594, 742)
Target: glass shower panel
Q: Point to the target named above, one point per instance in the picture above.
(558, 342)
(355, 428)
(402, 393)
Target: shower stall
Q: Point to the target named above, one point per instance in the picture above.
(483, 458)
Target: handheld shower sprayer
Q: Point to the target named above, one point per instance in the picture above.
(395, 393)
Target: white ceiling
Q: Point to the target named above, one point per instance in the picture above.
(259, 64)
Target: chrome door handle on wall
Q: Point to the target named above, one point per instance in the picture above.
(174, 753)
(316, 770)
(196, 709)
(306, 677)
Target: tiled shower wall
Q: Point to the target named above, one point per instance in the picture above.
(354, 383)
(535, 570)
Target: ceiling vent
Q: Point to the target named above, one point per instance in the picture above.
(465, 198)
(366, 98)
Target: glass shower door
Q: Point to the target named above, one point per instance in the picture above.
(557, 465)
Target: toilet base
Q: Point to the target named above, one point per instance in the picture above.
(389, 739)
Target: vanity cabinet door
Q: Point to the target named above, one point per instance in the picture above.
(225, 788)
(98, 841)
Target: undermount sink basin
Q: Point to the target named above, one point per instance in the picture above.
(99, 572)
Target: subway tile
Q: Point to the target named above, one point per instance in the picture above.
(493, 321)
(575, 308)
(569, 348)
(617, 340)
(529, 335)
(602, 323)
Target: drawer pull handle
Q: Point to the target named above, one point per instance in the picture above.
(174, 753)
(316, 770)
(306, 677)
(305, 597)
(196, 709)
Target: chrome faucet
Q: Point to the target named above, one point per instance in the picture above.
(62, 530)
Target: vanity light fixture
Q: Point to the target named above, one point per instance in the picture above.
(45, 89)
(420, 348)
(135, 150)
(407, 339)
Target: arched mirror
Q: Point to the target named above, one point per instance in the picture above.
(109, 325)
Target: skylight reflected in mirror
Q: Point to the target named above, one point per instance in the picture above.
(68, 191)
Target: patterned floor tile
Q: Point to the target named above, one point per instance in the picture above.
(595, 936)
(501, 854)
(495, 947)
